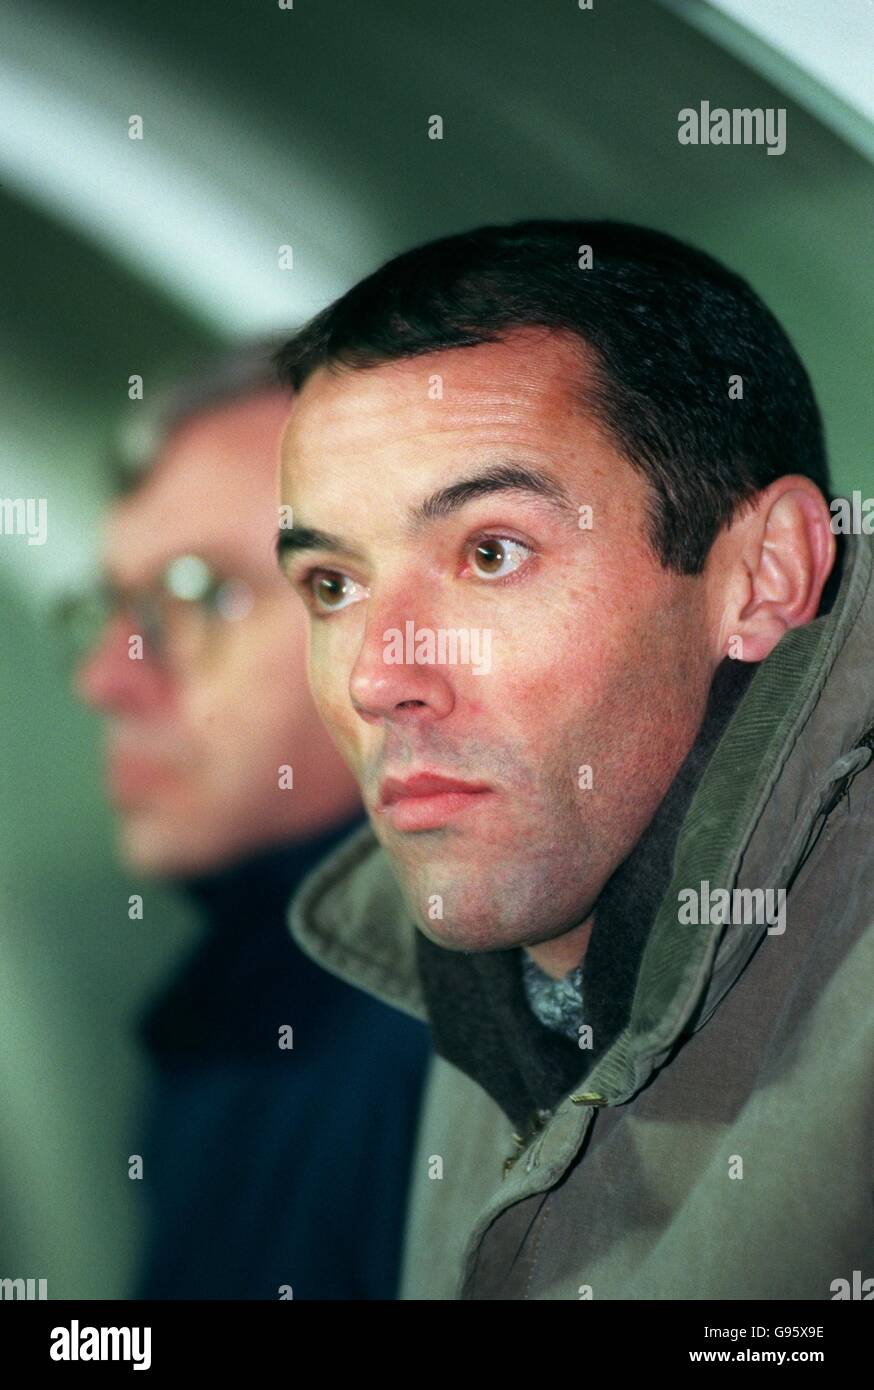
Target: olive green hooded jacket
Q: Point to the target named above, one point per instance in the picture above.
(722, 1146)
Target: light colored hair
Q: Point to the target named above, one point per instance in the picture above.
(220, 378)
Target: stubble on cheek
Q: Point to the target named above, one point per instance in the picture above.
(521, 869)
(601, 734)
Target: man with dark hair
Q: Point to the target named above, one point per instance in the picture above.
(581, 628)
(277, 1144)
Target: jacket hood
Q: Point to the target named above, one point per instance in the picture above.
(801, 730)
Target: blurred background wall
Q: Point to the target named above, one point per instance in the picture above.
(307, 127)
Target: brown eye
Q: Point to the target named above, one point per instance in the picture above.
(329, 589)
(490, 555)
(332, 590)
(496, 557)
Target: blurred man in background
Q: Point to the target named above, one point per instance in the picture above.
(277, 1150)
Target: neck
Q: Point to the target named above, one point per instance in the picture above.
(564, 952)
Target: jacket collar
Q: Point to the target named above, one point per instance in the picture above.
(793, 744)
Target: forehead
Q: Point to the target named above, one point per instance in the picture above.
(212, 491)
(519, 390)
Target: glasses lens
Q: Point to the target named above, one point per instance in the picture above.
(190, 578)
(179, 622)
(80, 618)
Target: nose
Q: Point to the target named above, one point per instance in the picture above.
(120, 676)
(387, 683)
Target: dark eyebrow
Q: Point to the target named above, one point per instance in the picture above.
(499, 477)
(297, 538)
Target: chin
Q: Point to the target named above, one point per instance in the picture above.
(471, 935)
(161, 852)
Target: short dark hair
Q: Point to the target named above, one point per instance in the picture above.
(666, 326)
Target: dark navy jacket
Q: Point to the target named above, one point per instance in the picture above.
(265, 1167)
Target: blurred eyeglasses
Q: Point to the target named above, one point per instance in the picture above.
(178, 617)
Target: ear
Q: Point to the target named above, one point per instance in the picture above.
(770, 567)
